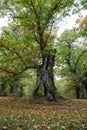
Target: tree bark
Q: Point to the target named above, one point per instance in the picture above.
(45, 76)
(2, 87)
(84, 92)
(84, 83)
(14, 87)
(77, 92)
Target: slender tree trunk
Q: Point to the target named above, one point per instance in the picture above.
(84, 92)
(77, 92)
(84, 83)
(2, 87)
(20, 91)
(45, 76)
(14, 87)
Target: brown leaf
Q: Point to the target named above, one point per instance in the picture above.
(18, 128)
(71, 128)
(4, 127)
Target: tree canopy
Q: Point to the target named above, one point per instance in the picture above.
(30, 32)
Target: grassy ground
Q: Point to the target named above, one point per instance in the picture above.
(19, 114)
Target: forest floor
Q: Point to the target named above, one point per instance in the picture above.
(19, 114)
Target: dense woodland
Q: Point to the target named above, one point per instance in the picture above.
(34, 60)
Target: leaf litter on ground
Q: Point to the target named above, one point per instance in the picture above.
(19, 114)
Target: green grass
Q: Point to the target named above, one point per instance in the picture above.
(43, 121)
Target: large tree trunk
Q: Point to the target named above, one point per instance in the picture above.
(45, 76)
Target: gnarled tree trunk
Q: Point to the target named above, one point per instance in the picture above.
(45, 76)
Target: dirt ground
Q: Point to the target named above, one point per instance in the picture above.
(42, 103)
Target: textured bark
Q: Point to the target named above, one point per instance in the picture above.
(45, 76)
(77, 92)
(2, 87)
(84, 83)
(84, 92)
(2, 91)
(14, 87)
(20, 91)
(84, 95)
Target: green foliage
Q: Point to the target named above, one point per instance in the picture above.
(65, 88)
(16, 52)
(71, 57)
(28, 80)
(84, 3)
(20, 42)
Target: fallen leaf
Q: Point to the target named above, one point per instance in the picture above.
(71, 128)
(18, 128)
(5, 127)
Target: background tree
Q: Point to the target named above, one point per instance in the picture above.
(72, 59)
(83, 33)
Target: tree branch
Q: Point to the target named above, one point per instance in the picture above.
(50, 16)
(78, 58)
